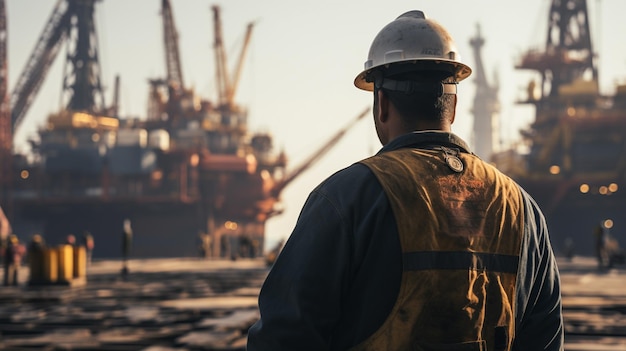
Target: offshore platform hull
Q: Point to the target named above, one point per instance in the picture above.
(572, 216)
(158, 230)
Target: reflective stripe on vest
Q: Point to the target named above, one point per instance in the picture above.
(460, 235)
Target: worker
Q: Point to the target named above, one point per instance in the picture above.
(89, 245)
(35, 256)
(14, 253)
(204, 245)
(423, 246)
(127, 242)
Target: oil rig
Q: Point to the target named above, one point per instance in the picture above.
(191, 178)
(575, 163)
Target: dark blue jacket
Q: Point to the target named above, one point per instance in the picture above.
(338, 275)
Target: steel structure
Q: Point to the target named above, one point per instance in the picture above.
(190, 172)
(227, 84)
(576, 164)
(72, 20)
(6, 135)
(486, 108)
(172, 53)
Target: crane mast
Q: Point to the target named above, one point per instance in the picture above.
(172, 56)
(223, 84)
(227, 85)
(6, 135)
(166, 95)
(239, 65)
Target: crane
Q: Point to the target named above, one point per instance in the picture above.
(317, 155)
(82, 91)
(172, 54)
(227, 85)
(166, 94)
(6, 135)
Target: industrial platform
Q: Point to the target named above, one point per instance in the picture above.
(198, 304)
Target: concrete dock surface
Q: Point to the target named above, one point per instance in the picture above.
(197, 304)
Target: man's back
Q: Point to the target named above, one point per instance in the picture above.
(341, 270)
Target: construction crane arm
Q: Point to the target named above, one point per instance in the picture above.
(39, 62)
(172, 54)
(223, 81)
(227, 85)
(308, 163)
(238, 67)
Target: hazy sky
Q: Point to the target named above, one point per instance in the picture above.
(297, 80)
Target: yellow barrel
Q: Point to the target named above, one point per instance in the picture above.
(66, 262)
(50, 265)
(80, 262)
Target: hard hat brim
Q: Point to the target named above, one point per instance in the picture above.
(461, 71)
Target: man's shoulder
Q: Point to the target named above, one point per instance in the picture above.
(352, 175)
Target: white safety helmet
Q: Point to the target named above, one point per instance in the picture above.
(416, 42)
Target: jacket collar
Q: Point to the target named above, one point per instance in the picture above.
(426, 139)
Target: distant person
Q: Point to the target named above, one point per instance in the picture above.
(257, 250)
(423, 246)
(35, 257)
(245, 246)
(204, 245)
(127, 242)
(599, 241)
(36, 245)
(14, 253)
(70, 239)
(89, 245)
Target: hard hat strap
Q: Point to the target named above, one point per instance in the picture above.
(410, 87)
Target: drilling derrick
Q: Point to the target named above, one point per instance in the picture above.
(575, 166)
(568, 59)
(71, 20)
(81, 83)
(486, 105)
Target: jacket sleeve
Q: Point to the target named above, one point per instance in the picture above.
(299, 302)
(539, 319)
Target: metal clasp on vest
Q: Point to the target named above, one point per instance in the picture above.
(452, 159)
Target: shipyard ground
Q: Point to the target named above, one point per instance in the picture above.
(194, 304)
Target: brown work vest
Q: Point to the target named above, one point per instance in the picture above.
(460, 233)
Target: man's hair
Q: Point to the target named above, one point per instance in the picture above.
(420, 104)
